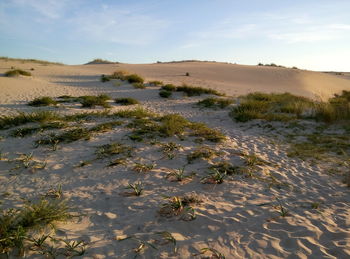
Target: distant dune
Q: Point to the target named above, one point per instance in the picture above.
(239, 79)
(54, 80)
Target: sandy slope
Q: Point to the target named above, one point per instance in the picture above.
(238, 218)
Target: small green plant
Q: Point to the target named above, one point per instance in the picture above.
(137, 188)
(74, 248)
(282, 211)
(142, 245)
(17, 72)
(142, 168)
(212, 102)
(105, 78)
(315, 205)
(134, 78)
(194, 91)
(201, 153)
(214, 177)
(179, 175)
(226, 168)
(138, 85)
(169, 88)
(168, 237)
(108, 150)
(92, 101)
(105, 127)
(118, 161)
(55, 193)
(165, 94)
(43, 101)
(155, 83)
(253, 160)
(126, 101)
(170, 149)
(215, 254)
(178, 205)
(67, 136)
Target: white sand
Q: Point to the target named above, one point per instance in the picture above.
(237, 218)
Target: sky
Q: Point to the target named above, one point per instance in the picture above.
(309, 34)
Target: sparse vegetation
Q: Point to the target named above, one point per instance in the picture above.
(108, 150)
(203, 152)
(165, 94)
(138, 85)
(43, 101)
(16, 224)
(143, 168)
(169, 87)
(17, 72)
(180, 206)
(155, 83)
(42, 62)
(92, 101)
(214, 177)
(194, 91)
(136, 188)
(215, 103)
(126, 101)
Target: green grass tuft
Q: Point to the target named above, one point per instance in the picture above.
(42, 101)
(126, 101)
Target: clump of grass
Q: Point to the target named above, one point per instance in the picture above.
(173, 124)
(23, 118)
(92, 101)
(226, 168)
(17, 72)
(169, 87)
(253, 160)
(137, 113)
(155, 83)
(67, 136)
(180, 205)
(194, 91)
(105, 78)
(214, 177)
(106, 126)
(143, 168)
(137, 188)
(134, 78)
(179, 175)
(215, 254)
(212, 102)
(138, 85)
(282, 211)
(67, 99)
(42, 62)
(43, 101)
(15, 224)
(170, 149)
(318, 145)
(203, 131)
(126, 101)
(203, 152)
(108, 150)
(279, 107)
(165, 93)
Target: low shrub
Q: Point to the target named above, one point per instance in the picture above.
(134, 78)
(195, 91)
(42, 101)
(169, 87)
(215, 103)
(92, 101)
(126, 101)
(17, 72)
(165, 93)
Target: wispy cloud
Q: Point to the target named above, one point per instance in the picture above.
(112, 24)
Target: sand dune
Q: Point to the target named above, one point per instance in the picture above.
(240, 218)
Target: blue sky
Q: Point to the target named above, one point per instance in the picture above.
(311, 34)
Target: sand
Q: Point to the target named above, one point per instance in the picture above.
(239, 218)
